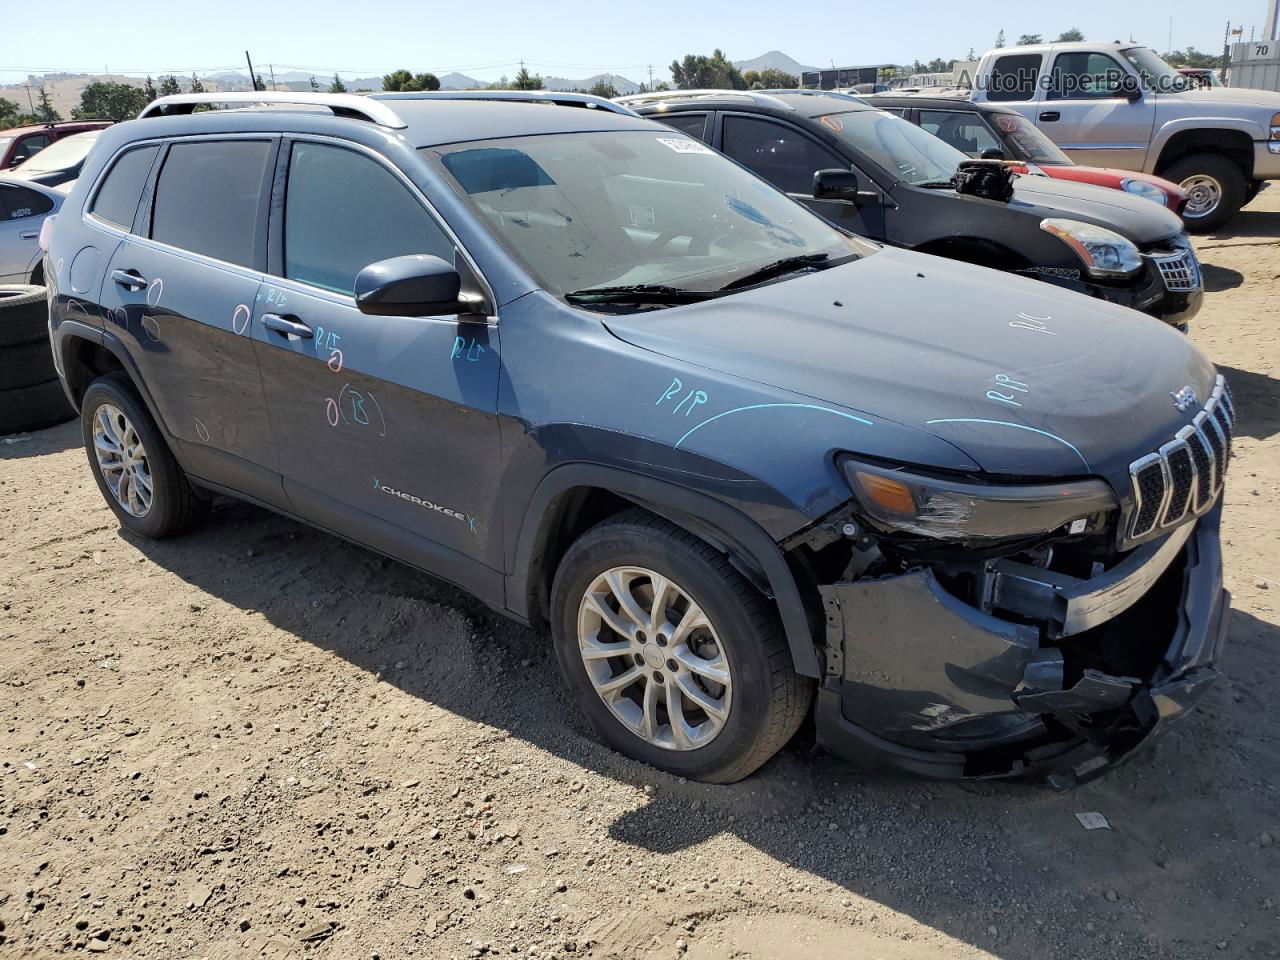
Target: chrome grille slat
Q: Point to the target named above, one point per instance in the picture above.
(1184, 477)
(1180, 272)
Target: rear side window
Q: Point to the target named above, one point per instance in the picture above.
(344, 211)
(780, 154)
(207, 198)
(117, 199)
(1013, 78)
(18, 203)
(963, 130)
(694, 124)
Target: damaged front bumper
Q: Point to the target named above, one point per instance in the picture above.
(1062, 679)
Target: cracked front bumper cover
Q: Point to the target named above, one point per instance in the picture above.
(927, 683)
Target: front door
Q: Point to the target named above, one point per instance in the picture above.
(386, 426)
(1086, 113)
(788, 158)
(21, 213)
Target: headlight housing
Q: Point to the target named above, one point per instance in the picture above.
(1104, 252)
(1144, 188)
(896, 500)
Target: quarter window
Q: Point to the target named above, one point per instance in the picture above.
(962, 129)
(18, 203)
(1013, 78)
(780, 154)
(208, 198)
(693, 124)
(117, 199)
(343, 212)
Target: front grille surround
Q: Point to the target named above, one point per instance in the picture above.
(1180, 271)
(1184, 477)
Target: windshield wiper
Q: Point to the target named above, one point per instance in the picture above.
(777, 269)
(639, 293)
(934, 184)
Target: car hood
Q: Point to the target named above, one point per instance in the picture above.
(1026, 378)
(1228, 96)
(1134, 217)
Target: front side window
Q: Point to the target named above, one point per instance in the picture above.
(208, 197)
(28, 147)
(18, 203)
(587, 210)
(117, 199)
(896, 146)
(344, 211)
(781, 154)
(62, 155)
(1013, 77)
(1086, 75)
(962, 129)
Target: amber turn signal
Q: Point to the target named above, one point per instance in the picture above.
(887, 493)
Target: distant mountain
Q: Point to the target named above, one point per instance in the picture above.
(619, 83)
(459, 81)
(774, 59)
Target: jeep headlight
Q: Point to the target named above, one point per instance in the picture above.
(894, 499)
(1143, 188)
(1104, 252)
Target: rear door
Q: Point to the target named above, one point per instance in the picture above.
(788, 157)
(21, 212)
(1086, 113)
(386, 426)
(182, 292)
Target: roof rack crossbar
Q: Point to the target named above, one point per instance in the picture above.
(661, 95)
(342, 104)
(559, 98)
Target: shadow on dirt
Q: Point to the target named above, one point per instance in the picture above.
(40, 442)
(1257, 400)
(966, 859)
(1217, 279)
(1246, 225)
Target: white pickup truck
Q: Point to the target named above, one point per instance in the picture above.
(1120, 105)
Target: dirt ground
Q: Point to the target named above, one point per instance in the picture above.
(260, 741)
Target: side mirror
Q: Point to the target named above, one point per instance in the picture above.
(840, 185)
(1131, 92)
(412, 286)
(992, 153)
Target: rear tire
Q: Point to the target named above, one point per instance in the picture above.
(133, 466)
(675, 652)
(1217, 187)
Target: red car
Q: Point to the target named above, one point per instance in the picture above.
(994, 132)
(20, 144)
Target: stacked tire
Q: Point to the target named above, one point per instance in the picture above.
(31, 396)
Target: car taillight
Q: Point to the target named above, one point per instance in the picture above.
(46, 229)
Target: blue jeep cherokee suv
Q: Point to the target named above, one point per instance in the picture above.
(607, 380)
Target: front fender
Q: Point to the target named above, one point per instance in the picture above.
(1167, 130)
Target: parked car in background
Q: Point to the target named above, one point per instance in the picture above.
(24, 206)
(58, 163)
(19, 144)
(1120, 105)
(608, 381)
(1201, 76)
(989, 131)
(1104, 243)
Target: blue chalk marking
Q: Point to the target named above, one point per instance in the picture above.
(375, 483)
(471, 522)
(1018, 426)
(671, 391)
(770, 406)
(458, 344)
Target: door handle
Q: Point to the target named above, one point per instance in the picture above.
(1050, 115)
(130, 279)
(29, 235)
(283, 325)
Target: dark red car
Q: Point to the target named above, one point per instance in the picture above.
(20, 144)
(994, 132)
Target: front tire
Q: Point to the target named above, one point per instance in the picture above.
(1217, 188)
(700, 683)
(133, 466)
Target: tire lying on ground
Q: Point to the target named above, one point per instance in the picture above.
(30, 395)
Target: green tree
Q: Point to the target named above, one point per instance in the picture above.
(999, 39)
(258, 83)
(972, 55)
(426, 81)
(113, 101)
(661, 86)
(169, 86)
(196, 85)
(526, 81)
(44, 108)
(770, 79)
(1070, 36)
(1029, 38)
(315, 85)
(697, 72)
(1191, 57)
(603, 88)
(396, 80)
(8, 114)
(337, 86)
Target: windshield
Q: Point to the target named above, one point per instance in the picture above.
(1156, 75)
(589, 210)
(899, 147)
(60, 154)
(4, 144)
(1027, 142)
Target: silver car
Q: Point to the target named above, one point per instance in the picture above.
(23, 208)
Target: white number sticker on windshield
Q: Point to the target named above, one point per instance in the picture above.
(680, 145)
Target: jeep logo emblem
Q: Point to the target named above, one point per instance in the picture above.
(1184, 398)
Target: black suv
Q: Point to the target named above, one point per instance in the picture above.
(607, 380)
(877, 175)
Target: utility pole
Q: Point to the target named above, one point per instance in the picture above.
(272, 68)
(651, 77)
(1273, 14)
(253, 77)
(30, 103)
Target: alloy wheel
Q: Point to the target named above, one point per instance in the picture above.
(654, 658)
(1204, 192)
(122, 460)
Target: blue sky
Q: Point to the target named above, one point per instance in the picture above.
(485, 40)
